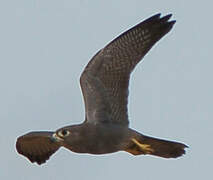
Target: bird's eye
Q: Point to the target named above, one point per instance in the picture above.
(63, 133)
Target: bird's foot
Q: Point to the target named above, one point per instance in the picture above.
(145, 148)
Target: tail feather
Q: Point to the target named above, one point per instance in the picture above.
(157, 147)
(164, 148)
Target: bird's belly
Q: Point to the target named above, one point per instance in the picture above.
(103, 146)
(100, 143)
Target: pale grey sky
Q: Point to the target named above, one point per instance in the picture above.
(46, 44)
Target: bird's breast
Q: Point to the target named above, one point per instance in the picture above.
(100, 140)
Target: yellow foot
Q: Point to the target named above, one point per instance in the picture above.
(145, 148)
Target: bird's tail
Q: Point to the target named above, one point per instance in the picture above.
(157, 147)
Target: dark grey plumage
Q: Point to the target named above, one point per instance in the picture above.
(111, 67)
(104, 84)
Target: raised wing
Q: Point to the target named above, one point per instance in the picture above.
(37, 146)
(96, 99)
(112, 66)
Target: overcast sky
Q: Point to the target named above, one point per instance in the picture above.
(45, 44)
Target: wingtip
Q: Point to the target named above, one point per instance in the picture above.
(37, 147)
(157, 15)
(18, 146)
(166, 18)
(185, 146)
(163, 19)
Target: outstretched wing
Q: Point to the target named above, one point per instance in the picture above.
(37, 146)
(111, 68)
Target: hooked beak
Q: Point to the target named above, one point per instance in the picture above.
(56, 138)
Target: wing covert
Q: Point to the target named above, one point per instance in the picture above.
(37, 146)
(113, 64)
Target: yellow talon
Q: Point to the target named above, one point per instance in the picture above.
(146, 148)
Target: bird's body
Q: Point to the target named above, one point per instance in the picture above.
(104, 83)
(108, 138)
(97, 139)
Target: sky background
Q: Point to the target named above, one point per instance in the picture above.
(45, 44)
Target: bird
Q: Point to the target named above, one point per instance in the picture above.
(104, 84)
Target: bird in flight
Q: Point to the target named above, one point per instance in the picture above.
(104, 83)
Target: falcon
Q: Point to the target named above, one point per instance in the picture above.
(104, 83)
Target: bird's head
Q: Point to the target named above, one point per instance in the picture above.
(68, 134)
(70, 137)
